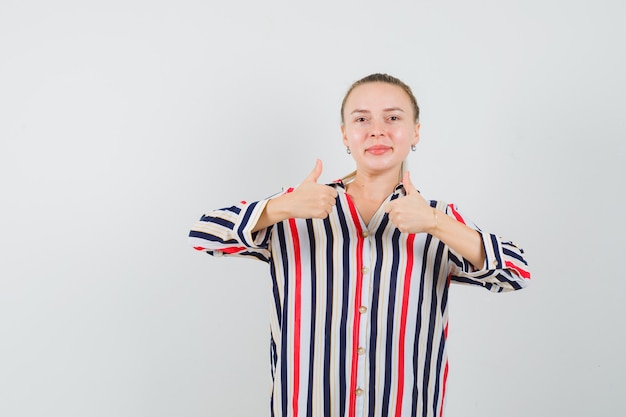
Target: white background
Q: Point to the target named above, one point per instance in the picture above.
(121, 122)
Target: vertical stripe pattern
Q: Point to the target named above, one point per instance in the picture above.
(359, 320)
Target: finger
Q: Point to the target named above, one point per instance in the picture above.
(408, 185)
(315, 174)
(329, 199)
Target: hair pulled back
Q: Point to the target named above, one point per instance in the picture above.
(382, 78)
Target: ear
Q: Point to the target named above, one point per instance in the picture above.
(416, 137)
(343, 135)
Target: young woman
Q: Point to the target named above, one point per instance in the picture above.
(360, 270)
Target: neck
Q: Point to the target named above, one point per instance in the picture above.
(374, 186)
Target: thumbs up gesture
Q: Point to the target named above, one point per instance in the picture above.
(411, 213)
(312, 200)
(309, 201)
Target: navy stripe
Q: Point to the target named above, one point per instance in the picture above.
(255, 255)
(246, 218)
(219, 221)
(273, 362)
(508, 280)
(431, 330)
(494, 242)
(328, 337)
(455, 260)
(418, 325)
(393, 279)
(265, 242)
(345, 305)
(276, 295)
(311, 235)
(513, 254)
(471, 281)
(377, 293)
(284, 342)
(440, 355)
(212, 238)
(444, 297)
(232, 209)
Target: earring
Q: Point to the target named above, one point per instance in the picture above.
(413, 148)
(348, 151)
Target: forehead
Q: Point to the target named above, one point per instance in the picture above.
(378, 95)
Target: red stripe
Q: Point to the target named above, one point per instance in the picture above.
(297, 315)
(357, 303)
(456, 213)
(233, 249)
(521, 272)
(445, 384)
(403, 317)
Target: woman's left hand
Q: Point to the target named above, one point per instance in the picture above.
(411, 213)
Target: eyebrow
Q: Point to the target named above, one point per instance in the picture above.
(385, 110)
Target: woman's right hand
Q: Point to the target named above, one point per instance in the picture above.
(309, 200)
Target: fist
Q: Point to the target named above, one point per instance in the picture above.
(312, 200)
(411, 213)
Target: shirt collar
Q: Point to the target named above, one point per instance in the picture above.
(347, 179)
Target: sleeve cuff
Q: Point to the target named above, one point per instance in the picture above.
(493, 252)
(248, 218)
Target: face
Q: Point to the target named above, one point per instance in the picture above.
(379, 127)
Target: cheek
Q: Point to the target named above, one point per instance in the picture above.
(403, 134)
(353, 135)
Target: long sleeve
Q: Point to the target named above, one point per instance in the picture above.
(505, 268)
(228, 231)
(359, 317)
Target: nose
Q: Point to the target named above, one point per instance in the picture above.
(376, 129)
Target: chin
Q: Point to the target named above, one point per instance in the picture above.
(380, 168)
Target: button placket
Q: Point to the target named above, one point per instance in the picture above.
(364, 324)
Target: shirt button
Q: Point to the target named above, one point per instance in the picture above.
(494, 262)
(364, 270)
(365, 233)
(362, 309)
(359, 392)
(361, 350)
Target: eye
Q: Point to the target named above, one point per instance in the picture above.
(394, 118)
(359, 119)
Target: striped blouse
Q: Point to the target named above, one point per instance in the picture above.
(360, 312)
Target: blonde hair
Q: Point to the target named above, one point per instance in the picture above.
(383, 78)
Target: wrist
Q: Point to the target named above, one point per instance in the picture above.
(435, 221)
(278, 209)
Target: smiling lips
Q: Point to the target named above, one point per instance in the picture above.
(378, 149)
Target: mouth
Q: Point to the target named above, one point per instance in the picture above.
(378, 149)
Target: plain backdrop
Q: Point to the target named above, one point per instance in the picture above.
(121, 122)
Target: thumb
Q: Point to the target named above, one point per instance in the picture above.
(408, 185)
(315, 174)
